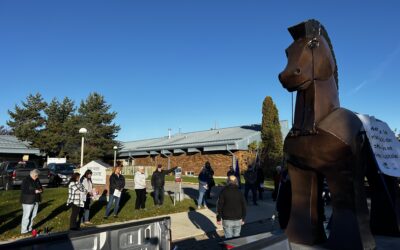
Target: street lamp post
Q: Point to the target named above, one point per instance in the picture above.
(82, 131)
(115, 155)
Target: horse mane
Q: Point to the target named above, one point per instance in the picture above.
(312, 28)
(324, 33)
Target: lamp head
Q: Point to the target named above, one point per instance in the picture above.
(82, 131)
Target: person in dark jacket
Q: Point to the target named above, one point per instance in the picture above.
(117, 184)
(158, 182)
(284, 199)
(211, 182)
(277, 180)
(260, 182)
(31, 190)
(231, 208)
(203, 187)
(250, 177)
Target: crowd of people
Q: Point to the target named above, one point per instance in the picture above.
(231, 203)
(81, 193)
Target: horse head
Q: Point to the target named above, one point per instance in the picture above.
(310, 57)
(312, 72)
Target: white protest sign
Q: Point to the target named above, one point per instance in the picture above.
(384, 145)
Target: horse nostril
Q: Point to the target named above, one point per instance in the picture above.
(297, 71)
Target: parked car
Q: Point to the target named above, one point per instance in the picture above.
(60, 173)
(12, 173)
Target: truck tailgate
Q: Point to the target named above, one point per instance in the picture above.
(147, 234)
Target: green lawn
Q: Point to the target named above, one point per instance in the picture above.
(269, 184)
(54, 214)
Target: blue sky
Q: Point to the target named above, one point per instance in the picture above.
(191, 64)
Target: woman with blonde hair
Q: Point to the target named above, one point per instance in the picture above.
(117, 184)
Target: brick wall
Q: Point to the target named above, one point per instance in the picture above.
(220, 162)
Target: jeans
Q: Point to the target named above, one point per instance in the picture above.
(158, 195)
(232, 228)
(85, 217)
(113, 199)
(86, 210)
(29, 213)
(201, 201)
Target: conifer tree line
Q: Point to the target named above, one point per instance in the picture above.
(271, 137)
(53, 127)
(4, 130)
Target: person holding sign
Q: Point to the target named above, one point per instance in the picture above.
(158, 182)
(117, 184)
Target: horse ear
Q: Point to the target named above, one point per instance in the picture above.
(297, 31)
(309, 28)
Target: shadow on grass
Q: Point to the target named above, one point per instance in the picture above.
(102, 202)
(96, 207)
(124, 199)
(16, 221)
(60, 209)
(170, 195)
(4, 217)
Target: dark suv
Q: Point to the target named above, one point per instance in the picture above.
(12, 173)
(60, 173)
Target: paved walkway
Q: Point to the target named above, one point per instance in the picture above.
(203, 221)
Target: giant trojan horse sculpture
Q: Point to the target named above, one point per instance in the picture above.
(328, 141)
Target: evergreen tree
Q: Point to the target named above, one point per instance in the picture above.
(27, 122)
(94, 115)
(5, 131)
(271, 136)
(57, 133)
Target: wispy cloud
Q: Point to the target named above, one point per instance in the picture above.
(378, 71)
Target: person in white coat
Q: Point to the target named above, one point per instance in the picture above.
(140, 188)
(86, 181)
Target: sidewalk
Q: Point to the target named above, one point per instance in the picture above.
(203, 221)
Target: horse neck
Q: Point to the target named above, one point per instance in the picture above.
(314, 104)
(326, 98)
